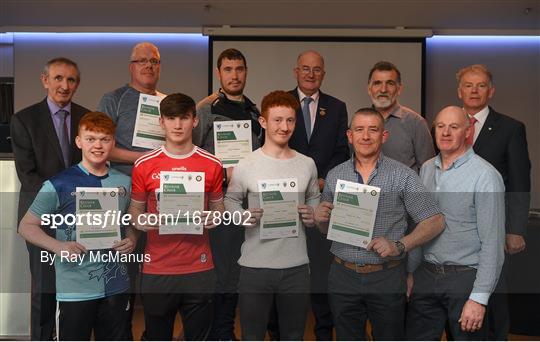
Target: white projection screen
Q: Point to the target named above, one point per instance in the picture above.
(347, 63)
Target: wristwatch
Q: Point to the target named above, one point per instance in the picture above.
(400, 247)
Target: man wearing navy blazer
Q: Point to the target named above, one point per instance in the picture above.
(501, 140)
(322, 136)
(43, 139)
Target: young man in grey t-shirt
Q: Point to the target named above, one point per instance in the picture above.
(274, 269)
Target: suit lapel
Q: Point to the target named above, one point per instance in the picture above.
(76, 114)
(488, 129)
(300, 127)
(46, 122)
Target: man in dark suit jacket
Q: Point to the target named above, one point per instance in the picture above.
(501, 140)
(325, 141)
(43, 138)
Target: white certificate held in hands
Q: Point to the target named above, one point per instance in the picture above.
(181, 202)
(279, 201)
(353, 216)
(148, 132)
(232, 141)
(97, 206)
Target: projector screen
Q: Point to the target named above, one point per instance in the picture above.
(347, 63)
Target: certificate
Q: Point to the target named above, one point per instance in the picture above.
(181, 202)
(232, 141)
(353, 216)
(279, 200)
(148, 132)
(97, 207)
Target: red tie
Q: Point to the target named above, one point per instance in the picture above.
(470, 140)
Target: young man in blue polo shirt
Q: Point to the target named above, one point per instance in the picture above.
(90, 290)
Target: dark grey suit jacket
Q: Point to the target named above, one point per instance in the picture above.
(503, 142)
(36, 148)
(328, 145)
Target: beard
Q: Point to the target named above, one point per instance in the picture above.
(233, 92)
(382, 102)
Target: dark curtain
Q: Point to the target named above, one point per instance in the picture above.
(6, 99)
(6, 111)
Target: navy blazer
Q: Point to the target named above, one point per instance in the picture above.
(328, 145)
(36, 148)
(503, 143)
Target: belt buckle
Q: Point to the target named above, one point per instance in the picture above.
(439, 269)
(358, 266)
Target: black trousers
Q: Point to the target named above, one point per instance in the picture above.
(105, 316)
(378, 296)
(43, 296)
(320, 258)
(437, 298)
(225, 242)
(165, 295)
(260, 287)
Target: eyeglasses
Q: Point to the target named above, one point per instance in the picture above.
(305, 70)
(144, 61)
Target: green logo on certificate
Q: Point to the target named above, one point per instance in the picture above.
(174, 188)
(89, 204)
(152, 110)
(226, 135)
(346, 198)
(268, 196)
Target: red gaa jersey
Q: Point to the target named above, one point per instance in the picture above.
(176, 253)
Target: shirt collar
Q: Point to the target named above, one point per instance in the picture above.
(301, 96)
(458, 162)
(83, 169)
(396, 111)
(54, 108)
(224, 97)
(481, 116)
(379, 161)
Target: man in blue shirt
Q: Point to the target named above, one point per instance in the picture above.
(370, 282)
(455, 274)
(90, 286)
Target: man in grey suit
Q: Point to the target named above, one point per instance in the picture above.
(43, 138)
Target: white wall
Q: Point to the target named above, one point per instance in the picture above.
(103, 61)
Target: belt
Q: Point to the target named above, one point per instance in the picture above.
(443, 269)
(367, 268)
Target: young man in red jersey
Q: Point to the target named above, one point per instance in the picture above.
(179, 276)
